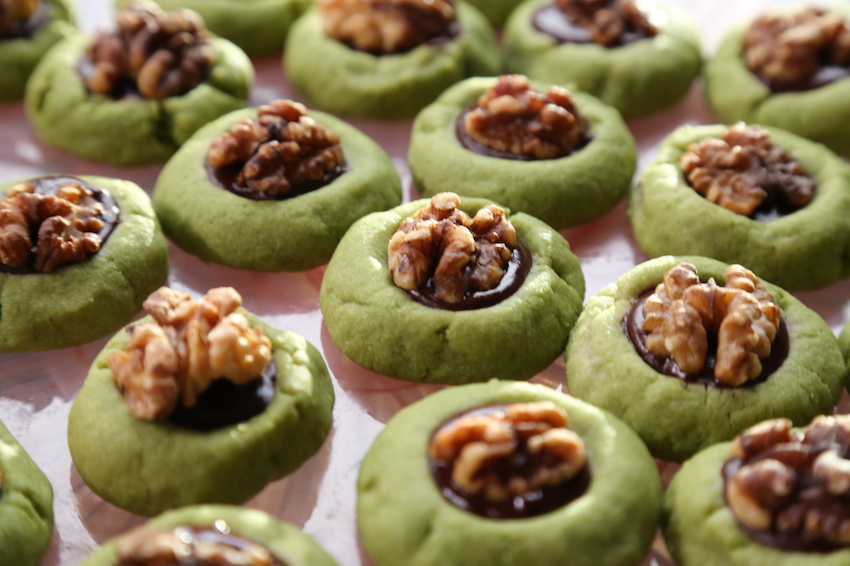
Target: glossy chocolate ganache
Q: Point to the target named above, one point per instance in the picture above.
(509, 461)
(610, 23)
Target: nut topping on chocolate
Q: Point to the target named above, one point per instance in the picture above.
(460, 253)
(793, 487)
(185, 545)
(743, 168)
(384, 27)
(514, 117)
(607, 20)
(788, 49)
(162, 54)
(66, 225)
(189, 345)
(281, 150)
(683, 312)
(480, 447)
(15, 12)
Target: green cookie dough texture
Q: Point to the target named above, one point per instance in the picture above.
(342, 80)
(736, 94)
(562, 192)
(638, 79)
(799, 251)
(85, 301)
(26, 506)
(404, 520)
(676, 419)
(258, 27)
(148, 467)
(844, 343)
(497, 11)
(18, 57)
(130, 131)
(289, 235)
(700, 530)
(284, 540)
(380, 327)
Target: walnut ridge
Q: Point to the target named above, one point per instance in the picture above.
(513, 117)
(682, 313)
(460, 253)
(161, 54)
(15, 12)
(607, 20)
(743, 169)
(281, 150)
(384, 27)
(189, 345)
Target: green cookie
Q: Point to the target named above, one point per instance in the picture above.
(26, 506)
(799, 251)
(404, 520)
(562, 192)
(676, 419)
(497, 11)
(289, 235)
(148, 467)
(85, 301)
(638, 79)
(18, 57)
(380, 327)
(129, 131)
(700, 530)
(285, 541)
(258, 27)
(735, 94)
(342, 80)
(844, 343)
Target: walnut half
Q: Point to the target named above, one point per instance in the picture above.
(608, 20)
(15, 12)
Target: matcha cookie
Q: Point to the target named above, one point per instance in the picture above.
(797, 249)
(140, 117)
(49, 306)
(844, 342)
(355, 82)
(714, 517)
(638, 74)
(513, 332)
(208, 426)
(563, 186)
(26, 505)
(677, 416)
(24, 43)
(497, 11)
(803, 98)
(405, 519)
(287, 545)
(298, 233)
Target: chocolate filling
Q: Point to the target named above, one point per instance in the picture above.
(29, 27)
(227, 178)
(532, 504)
(225, 404)
(827, 74)
(215, 536)
(552, 21)
(515, 274)
(48, 186)
(633, 328)
(775, 206)
(477, 147)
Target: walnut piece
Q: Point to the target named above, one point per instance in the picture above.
(788, 49)
(461, 254)
(15, 12)
(282, 149)
(162, 54)
(66, 225)
(608, 20)
(184, 545)
(189, 345)
(480, 446)
(794, 484)
(744, 168)
(384, 27)
(513, 117)
(682, 313)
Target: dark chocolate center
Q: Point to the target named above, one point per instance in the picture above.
(520, 463)
(515, 274)
(110, 217)
(633, 328)
(225, 404)
(825, 75)
(553, 22)
(227, 178)
(29, 27)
